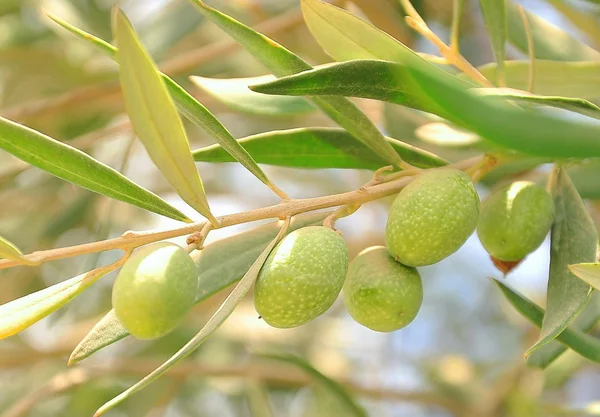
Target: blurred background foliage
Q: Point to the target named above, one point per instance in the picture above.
(461, 357)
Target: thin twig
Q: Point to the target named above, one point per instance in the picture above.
(285, 208)
(196, 240)
(530, 49)
(415, 21)
(343, 211)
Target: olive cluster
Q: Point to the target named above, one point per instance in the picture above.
(430, 219)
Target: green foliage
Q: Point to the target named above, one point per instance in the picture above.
(494, 15)
(8, 250)
(155, 119)
(234, 92)
(72, 165)
(282, 62)
(317, 148)
(573, 240)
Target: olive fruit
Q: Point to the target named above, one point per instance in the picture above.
(514, 220)
(380, 293)
(432, 217)
(155, 289)
(302, 277)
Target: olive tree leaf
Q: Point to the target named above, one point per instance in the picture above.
(550, 42)
(107, 331)
(392, 82)
(585, 177)
(234, 93)
(21, 313)
(578, 105)
(8, 250)
(530, 131)
(374, 79)
(573, 240)
(552, 78)
(584, 322)
(588, 272)
(317, 148)
(494, 16)
(220, 264)
(155, 119)
(74, 166)
(222, 313)
(346, 37)
(584, 344)
(282, 62)
(346, 404)
(191, 108)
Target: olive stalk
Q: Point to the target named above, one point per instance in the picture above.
(286, 208)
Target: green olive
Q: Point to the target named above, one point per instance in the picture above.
(515, 220)
(432, 217)
(302, 277)
(155, 289)
(380, 293)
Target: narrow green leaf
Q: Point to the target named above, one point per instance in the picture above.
(74, 166)
(8, 250)
(584, 322)
(585, 177)
(107, 331)
(234, 93)
(317, 148)
(191, 108)
(348, 406)
(529, 131)
(374, 79)
(346, 37)
(282, 62)
(216, 320)
(19, 314)
(552, 78)
(588, 272)
(578, 105)
(155, 119)
(550, 42)
(220, 264)
(494, 16)
(573, 240)
(584, 344)
(392, 82)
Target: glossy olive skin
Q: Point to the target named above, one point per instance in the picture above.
(302, 277)
(380, 293)
(432, 217)
(155, 289)
(515, 220)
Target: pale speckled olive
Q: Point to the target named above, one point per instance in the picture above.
(514, 220)
(302, 277)
(155, 289)
(380, 293)
(432, 217)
